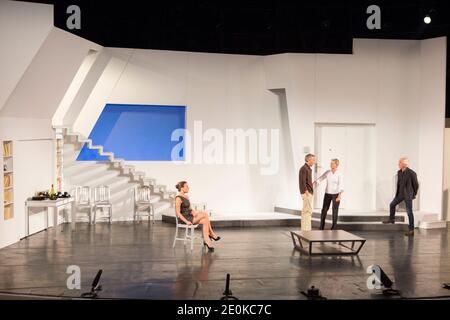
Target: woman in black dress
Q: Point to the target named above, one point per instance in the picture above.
(188, 216)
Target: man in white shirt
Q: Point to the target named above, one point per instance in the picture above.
(333, 192)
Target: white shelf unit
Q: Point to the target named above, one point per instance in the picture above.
(7, 186)
(59, 165)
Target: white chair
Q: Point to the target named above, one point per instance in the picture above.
(83, 201)
(102, 200)
(142, 205)
(188, 233)
(202, 206)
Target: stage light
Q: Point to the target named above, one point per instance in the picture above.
(427, 19)
(313, 293)
(384, 280)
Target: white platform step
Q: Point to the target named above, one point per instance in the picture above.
(436, 224)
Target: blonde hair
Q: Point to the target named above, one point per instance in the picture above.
(335, 161)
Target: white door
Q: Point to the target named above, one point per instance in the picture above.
(34, 166)
(354, 146)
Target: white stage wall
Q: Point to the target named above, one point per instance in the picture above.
(397, 85)
(23, 29)
(38, 63)
(223, 91)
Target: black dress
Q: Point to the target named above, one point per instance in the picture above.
(185, 209)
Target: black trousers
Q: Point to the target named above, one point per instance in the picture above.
(327, 199)
(409, 210)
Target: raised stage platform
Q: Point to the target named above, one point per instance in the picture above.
(349, 221)
(248, 219)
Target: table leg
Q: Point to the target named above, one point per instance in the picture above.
(72, 218)
(360, 247)
(55, 217)
(55, 222)
(27, 221)
(293, 240)
(46, 218)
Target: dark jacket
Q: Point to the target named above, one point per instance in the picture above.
(407, 184)
(305, 179)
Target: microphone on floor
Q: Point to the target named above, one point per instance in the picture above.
(227, 294)
(95, 287)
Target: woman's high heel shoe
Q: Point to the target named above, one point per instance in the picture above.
(209, 248)
(215, 239)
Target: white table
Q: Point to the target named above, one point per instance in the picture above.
(56, 205)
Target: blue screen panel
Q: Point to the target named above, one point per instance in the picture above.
(136, 132)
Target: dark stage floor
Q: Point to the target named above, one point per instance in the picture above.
(139, 262)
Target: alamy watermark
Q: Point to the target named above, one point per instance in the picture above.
(73, 281)
(374, 20)
(374, 280)
(228, 147)
(74, 19)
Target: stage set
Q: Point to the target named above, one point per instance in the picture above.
(101, 137)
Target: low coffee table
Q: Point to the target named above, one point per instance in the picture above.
(344, 239)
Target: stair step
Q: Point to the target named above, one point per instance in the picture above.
(107, 154)
(92, 174)
(77, 134)
(154, 198)
(124, 189)
(159, 188)
(437, 224)
(114, 182)
(139, 173)
(362, 226)
(361, 217)
(149, 181)
(84, 168)
(430, 217)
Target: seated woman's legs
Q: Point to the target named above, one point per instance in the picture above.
(199, 219)
(205, 216)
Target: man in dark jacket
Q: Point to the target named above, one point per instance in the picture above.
(407, 187)
(306, 190)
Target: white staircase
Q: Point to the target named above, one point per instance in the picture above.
(121, 178)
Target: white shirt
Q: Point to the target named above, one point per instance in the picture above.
(335, 181)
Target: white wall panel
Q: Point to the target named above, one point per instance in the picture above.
(23, 29)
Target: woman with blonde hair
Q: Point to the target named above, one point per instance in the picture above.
(333, 192)
(188, 216)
